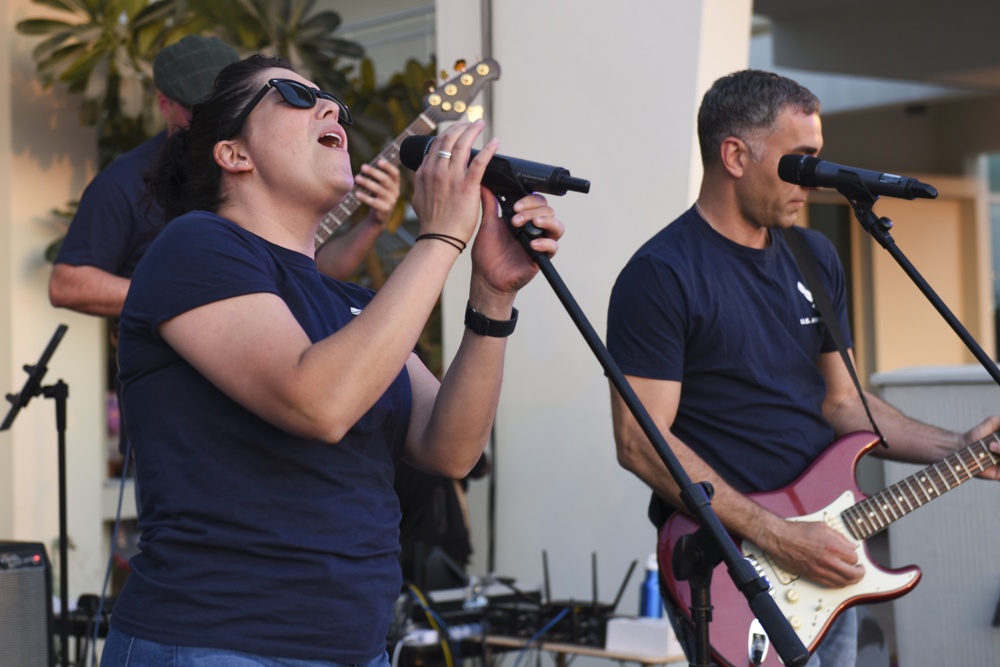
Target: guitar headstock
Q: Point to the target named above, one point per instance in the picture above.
(453, 99)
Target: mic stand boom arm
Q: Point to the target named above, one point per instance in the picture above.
(861, 201)
(696, 496)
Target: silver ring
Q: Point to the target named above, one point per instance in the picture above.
(444, 155)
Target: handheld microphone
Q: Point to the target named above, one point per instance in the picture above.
(503, 172)
(811, 172)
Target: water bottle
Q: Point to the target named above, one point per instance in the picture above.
(650, 603)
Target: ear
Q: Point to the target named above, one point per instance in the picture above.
(229, 155)
(735, 156)
(163, 102)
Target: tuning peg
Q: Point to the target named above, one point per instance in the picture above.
(460, 65)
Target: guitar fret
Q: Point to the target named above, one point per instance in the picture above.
(325, 227)
(945, 472)
(849, 521)
(875, 513)
(941, 468)
(920, 488)
(909, 493)
(889, 503)
(903, 496)
(927, 486)
(866, 520)
(980, 459)
(864, 528)
(852, 527)
(968, 473)
(949, 464)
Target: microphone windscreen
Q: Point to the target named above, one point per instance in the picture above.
(790, 168)
(413, 150)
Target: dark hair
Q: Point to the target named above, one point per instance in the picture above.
(187, 177)
(743, 102)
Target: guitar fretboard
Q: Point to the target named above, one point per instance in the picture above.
(874, 514)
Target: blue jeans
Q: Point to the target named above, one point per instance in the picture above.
(840, 645)
(122, 650)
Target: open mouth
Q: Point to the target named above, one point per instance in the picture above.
(331, 140)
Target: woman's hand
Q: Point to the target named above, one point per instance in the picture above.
(446, 186)
(499, 262)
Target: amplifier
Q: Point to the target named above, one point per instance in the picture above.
(25, 606)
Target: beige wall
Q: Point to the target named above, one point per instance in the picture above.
(941, 239)
(45, 159)
(939, 138)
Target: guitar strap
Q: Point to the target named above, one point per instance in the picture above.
(807, 265)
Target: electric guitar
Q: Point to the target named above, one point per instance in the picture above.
(450, 101)
(810, 609)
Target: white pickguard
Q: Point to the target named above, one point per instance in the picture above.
(807, 606)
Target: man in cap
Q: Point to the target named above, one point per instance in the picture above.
(116, 220)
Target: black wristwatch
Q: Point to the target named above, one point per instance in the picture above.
(484, 326)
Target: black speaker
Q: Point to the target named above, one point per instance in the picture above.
(25, 606)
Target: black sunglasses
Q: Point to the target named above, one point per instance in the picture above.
(297, 94)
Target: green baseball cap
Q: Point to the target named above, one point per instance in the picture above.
(185, 71)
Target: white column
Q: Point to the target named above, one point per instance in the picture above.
(609, 91)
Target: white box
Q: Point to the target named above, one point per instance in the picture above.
(651, 637)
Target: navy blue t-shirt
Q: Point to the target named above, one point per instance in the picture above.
(117, 218)
(252, 539)
(738, 328)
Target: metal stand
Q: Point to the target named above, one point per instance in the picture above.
(60, 392)
(861, 201)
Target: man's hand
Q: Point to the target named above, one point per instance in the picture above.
(817, 552)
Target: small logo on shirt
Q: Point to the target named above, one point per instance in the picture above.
(355, 311)
(804, 321)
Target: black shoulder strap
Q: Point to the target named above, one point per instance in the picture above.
(807, 265)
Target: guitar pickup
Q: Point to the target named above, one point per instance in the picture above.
(783, 576)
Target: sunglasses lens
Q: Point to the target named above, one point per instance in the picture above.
(296, 94)
(345, 113)
(304, 97)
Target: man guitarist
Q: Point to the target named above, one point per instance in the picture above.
(714, 327)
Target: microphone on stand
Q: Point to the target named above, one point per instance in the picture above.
(503, 172)
(811, 172)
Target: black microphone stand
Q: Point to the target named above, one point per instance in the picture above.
(714, 541)
(861, 201)
(60, 392)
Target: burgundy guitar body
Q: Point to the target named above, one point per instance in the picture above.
(818, 495)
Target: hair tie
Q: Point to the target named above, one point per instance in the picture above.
(450, 240)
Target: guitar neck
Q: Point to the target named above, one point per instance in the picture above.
(423, 124)
(874, 514)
